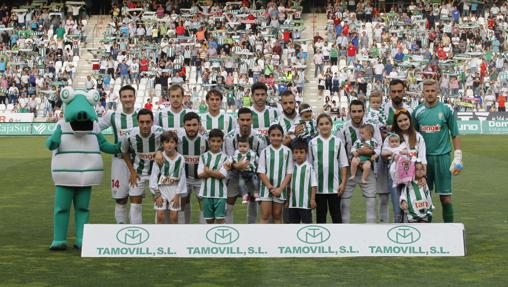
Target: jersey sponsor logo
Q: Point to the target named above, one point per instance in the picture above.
(147, 156)
(263, 132)
(191, 159)
(166, 180)
(431, 129)
(122, 132)
(421, 204)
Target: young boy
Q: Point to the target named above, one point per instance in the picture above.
(168, 182)
(415, 198)
(212, 169)
(374, 115)
(248, 181)
(303, 186)
(364, 161)
(310, 127)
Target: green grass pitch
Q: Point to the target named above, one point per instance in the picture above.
(26, 202)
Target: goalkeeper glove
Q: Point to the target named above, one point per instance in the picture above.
(456, 167)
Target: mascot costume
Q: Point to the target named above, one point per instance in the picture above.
(76, 164)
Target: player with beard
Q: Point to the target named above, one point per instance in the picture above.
(257, 144)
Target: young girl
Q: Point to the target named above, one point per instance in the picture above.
(274, 170)
(415, 198)
(329, 159)
(366, 160)
(168, 182)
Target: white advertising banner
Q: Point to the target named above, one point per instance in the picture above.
(273, 240)
(16, 117)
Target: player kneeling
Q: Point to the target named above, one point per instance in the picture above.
(168, 182)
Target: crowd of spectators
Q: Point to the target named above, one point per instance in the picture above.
(463, 46)
(227, 46)
(39, 51)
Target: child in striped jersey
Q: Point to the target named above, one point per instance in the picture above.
(274, 170)
(363, 161)
(168, 182)
(415, 198)
(212, 169)
(310, 126)
(303, 186)
(248, 182)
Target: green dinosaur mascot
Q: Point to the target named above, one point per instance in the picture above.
(76, 164)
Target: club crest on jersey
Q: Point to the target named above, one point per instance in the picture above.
(147, 156)
(430, 129)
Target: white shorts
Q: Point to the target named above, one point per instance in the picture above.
(139, 189)
(119, 178)
(271, 199)
(193, 186)
(168, 193)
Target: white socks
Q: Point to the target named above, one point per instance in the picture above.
(229, 214)
(121, 213)
(252, 212)
(136, 213)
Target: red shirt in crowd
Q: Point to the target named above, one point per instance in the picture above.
(351, 50)
(441, 54)
(501, 100)
(143, 65)
(287, 36)
(491, 23)
(148, 106)
(180, 30)
(345, 31)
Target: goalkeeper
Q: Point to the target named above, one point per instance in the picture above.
(436, 122)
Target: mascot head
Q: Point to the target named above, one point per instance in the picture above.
(78, 108)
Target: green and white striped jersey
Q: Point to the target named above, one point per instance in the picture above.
(171, 173)
(328, 156)
(120, 122)
(191, 150)
(302, 181)
(223, 121)
(256, 140)
(287, 123)
(418, 199)
(261, 121)
(276, 164)
(250, 156)
(348, 134)
(170, 120)
(143, 148)
(213, 187)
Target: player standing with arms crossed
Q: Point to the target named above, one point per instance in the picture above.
(121, 121)
(437, 122)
